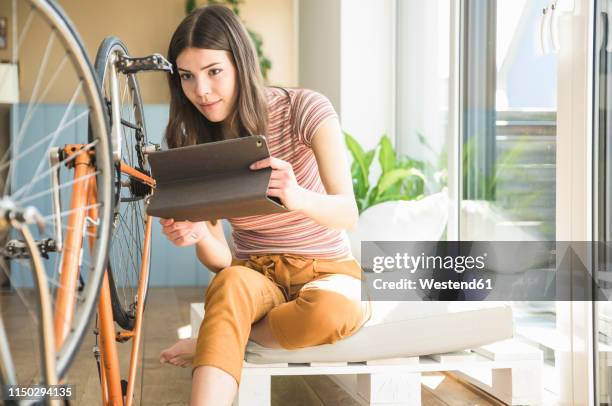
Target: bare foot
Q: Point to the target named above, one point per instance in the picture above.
(180, 354)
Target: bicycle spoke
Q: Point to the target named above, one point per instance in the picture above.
(57, 284)
(127, 225)
(126, 131)
(39, 76)
(24, 30)
(53, 135)
(124, 266)
(33, 107)
(125, 238)
(125, 89)
(121, 265)
(129, 260)
(63, 186)
(57, 132)
(43, 175)
(54, 280)
(42, 141)
(67, 212)
(133, 143)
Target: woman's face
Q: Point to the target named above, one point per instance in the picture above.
(208, 79)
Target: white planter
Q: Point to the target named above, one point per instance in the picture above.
(402, 220)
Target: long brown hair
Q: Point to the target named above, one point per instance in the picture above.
(215, 27)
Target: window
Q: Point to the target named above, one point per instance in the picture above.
(499, 126)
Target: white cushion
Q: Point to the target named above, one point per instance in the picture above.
(405, 329)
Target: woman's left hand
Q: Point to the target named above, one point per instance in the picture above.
(283, 183)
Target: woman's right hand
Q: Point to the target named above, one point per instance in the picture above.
(184, 233)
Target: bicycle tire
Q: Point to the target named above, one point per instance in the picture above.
(51, 18)
(122, 279)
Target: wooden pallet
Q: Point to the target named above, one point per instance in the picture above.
(513, 374)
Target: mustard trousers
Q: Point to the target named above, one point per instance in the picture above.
(309, 302)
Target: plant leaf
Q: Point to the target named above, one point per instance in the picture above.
(369, 157)
(391, 178)
(190, 5)
(359, 157)
(386, 155)
(423, 141)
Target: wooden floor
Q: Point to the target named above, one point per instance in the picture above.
(167, 310)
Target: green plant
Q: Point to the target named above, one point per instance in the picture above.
(190, 5)
(401, 177)
(405, 178)
(505, 165)
(265, 64)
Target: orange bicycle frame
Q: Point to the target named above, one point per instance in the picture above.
(83, 206)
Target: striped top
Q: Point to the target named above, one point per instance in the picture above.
(294, 115)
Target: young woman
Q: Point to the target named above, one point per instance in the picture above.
(290, 280)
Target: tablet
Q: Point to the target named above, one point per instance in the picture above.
(212, 181)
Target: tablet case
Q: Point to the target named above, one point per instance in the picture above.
(212, 181)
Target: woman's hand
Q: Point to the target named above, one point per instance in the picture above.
(184, 233)
(283, 183)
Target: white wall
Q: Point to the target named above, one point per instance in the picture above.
(367, 85)
(346, 52)
(319, 48)
(423, 72)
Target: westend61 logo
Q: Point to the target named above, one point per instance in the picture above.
(412, 263)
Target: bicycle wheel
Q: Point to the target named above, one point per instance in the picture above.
(59, 105)
(129, 138)
(20, 222)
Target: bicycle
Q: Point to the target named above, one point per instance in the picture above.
(102, 183)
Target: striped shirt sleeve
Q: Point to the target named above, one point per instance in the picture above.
(310, 110)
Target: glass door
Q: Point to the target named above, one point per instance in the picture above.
(493, 97)
(602, 202)
(508, 120)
